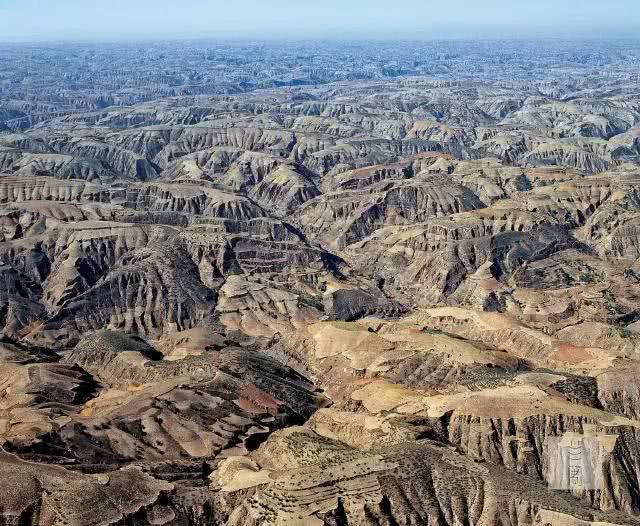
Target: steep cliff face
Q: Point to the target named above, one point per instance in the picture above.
(533, 445)
(20, 188)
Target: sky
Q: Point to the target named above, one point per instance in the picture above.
(116, 20)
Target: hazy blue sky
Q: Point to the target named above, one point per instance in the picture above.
(28, 20)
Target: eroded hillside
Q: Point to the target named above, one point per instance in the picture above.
(321, 298)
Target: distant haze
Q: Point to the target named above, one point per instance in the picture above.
(55, 20)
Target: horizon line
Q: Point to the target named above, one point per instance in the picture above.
(323, 39)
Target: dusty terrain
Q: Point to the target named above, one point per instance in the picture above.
(342, 289)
